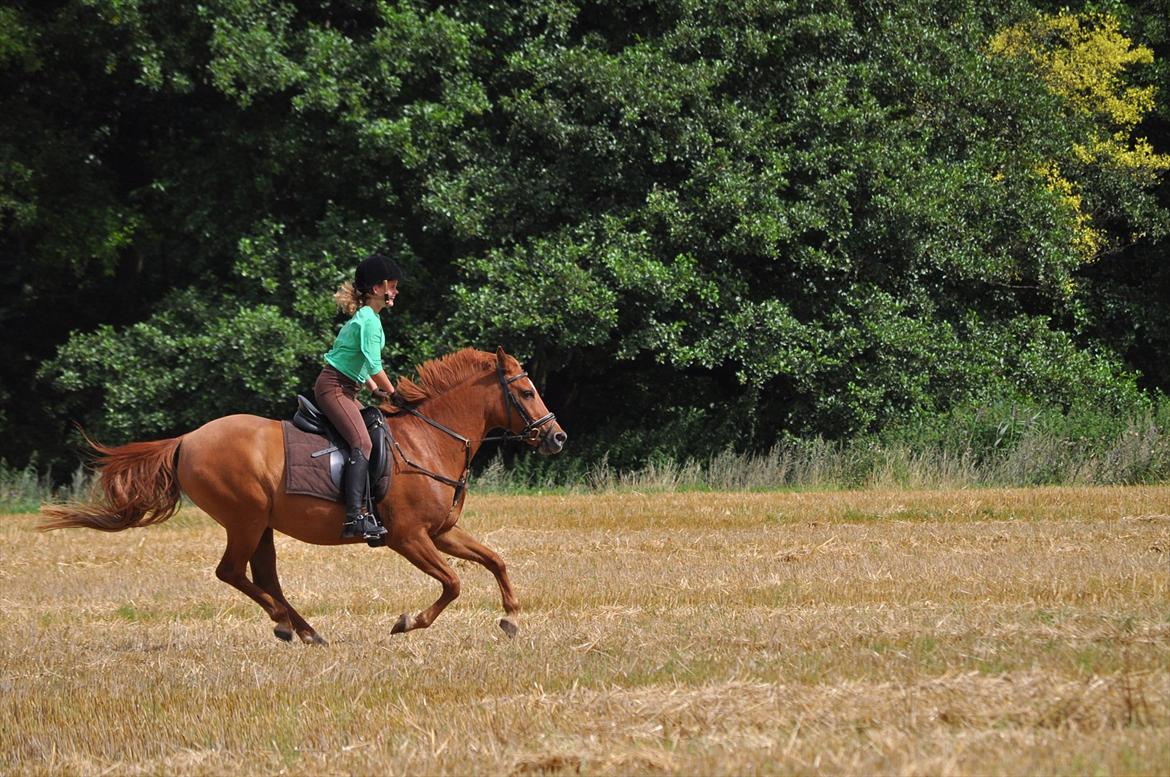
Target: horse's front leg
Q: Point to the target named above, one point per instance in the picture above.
(419, 550)
(461, 544)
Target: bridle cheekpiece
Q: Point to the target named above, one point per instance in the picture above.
(531, 431)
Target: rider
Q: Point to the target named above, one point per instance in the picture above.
(355, 360)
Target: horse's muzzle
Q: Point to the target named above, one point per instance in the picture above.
(553, 442)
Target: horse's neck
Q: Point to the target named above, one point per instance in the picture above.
(463, 409)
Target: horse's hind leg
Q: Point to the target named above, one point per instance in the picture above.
(264, 575)
(461, 544)
(242, 542)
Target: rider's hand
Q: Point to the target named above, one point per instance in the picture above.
(381, 395)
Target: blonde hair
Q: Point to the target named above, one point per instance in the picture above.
(348, 298)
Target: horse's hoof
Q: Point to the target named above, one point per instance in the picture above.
(313, 638)
(405, 623)
(283, 633)
(509, 626)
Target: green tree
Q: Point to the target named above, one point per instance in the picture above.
(245, 154)
(818, 221)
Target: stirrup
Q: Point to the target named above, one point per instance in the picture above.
(374, 531)
(366, 526)
(372, 528)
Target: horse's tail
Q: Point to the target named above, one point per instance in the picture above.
(140, 488)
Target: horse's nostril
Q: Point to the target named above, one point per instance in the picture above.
(560, 438)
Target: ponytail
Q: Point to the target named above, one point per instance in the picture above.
(348, 298)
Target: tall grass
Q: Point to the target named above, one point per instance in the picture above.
(23, 490)
(1006, 447)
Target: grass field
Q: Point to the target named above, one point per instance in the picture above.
(947, 632)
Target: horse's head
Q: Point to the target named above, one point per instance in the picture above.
(524, 410)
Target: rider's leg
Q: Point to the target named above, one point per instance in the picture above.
(355, 488)
(337, 397)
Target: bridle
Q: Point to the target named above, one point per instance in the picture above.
(531, 431)
(530, 434)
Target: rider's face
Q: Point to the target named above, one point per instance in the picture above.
(386, 291)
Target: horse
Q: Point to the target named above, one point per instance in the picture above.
(233, 469)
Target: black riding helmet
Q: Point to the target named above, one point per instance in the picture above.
(374, 269)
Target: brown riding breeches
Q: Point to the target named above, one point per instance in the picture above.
(337, 398)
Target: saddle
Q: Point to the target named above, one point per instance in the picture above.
(312, 421)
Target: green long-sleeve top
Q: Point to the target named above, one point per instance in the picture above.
(357, 351)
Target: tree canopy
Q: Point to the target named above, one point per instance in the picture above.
(709, 223)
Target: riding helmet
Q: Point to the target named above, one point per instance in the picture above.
(374, 269)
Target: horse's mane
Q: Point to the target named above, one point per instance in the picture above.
(439, 375)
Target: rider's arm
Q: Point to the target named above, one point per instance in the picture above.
(372, 342)
(380, 381)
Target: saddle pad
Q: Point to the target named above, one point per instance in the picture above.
(302, 473)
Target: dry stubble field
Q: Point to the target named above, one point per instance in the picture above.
(958, 632)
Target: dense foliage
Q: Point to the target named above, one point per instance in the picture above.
(704, 224)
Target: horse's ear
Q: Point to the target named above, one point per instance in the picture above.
(500, 354)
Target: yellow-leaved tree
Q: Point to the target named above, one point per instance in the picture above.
(1084, 58)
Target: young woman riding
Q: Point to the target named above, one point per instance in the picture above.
(356, 360)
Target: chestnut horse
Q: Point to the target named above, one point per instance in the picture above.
(233, 468)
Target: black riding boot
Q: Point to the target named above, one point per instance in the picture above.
(355, 484)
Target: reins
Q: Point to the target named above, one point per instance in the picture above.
(529, 433)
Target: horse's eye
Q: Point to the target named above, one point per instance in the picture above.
(528, 394)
